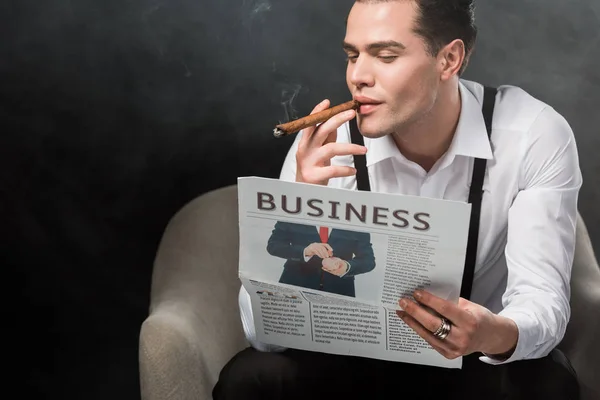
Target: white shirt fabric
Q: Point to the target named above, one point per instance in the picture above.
(528, 215)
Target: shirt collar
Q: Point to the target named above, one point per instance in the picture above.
(381, 149)
(470, 138)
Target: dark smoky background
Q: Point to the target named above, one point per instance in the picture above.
(116, 113)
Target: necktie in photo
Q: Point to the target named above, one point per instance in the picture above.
(324, 234)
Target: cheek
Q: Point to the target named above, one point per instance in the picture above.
(409, 81)
(348, 75)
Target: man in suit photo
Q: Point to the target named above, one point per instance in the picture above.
(321, 258)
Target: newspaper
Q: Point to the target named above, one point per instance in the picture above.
(339, 294)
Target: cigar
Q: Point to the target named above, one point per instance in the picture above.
(314, 119)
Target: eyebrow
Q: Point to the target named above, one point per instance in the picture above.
(376, 45)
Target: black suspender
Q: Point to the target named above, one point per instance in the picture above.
(475, 193)
(475, 196)
(360, 161)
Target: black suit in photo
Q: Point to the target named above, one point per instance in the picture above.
(288, 241)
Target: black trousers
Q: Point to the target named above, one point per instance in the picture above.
(295, 374)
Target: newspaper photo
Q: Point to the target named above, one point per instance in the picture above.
(325, 268)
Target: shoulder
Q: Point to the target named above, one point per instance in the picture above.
(354, 235)
(516, 110)
(284, 225)
(519, 111)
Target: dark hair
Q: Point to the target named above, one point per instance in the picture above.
(439, 22)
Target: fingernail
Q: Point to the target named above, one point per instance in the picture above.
(418, 294)
(403, 303)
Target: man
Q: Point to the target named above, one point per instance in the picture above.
(320, 258)
(424, 134)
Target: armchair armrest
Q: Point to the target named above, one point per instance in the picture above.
(581, 343)
(194, 326)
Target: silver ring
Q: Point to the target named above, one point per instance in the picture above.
(444, 329)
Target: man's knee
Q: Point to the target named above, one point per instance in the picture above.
(252, 373)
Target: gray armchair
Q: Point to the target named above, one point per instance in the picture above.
(194, 328)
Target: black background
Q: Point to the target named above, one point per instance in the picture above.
(114, 114)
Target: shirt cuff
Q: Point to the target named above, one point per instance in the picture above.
(306, 258)
(347, 269)
(526, 341)
(247, 318)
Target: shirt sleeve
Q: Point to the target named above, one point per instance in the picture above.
(248, 324)
(288, 173)
(541, 238)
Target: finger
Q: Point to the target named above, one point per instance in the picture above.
(328, 127)
(422, 316)
(323, 251)
(308, 132)
(324, 246)
(326, 173)
(444, 307)
(328, 151)
(323, 105)
(442, 347)
(331, 138)
(327, 249)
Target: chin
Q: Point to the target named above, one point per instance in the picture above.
(372, 128)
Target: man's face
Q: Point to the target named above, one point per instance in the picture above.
(389, 66)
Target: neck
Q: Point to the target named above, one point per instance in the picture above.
(425, 141)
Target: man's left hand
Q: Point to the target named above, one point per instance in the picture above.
(473, 327)
(335, 266)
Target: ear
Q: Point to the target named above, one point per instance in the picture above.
(451, 59)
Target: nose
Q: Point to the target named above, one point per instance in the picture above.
(360, 73)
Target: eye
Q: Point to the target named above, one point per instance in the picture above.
(388, 59)
(351, 57)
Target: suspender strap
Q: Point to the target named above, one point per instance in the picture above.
(475, 197)
(475, 193)
(360, 161)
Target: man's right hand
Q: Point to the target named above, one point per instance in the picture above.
(321, 250)
(318, 145)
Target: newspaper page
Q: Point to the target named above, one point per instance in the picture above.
(325, 268)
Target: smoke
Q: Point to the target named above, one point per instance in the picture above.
(288, 95)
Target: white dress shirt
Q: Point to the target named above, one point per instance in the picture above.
(528, 215)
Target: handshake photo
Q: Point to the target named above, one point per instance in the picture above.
(330, 264)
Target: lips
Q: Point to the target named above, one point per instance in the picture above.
(367, 104)
(365, 109)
